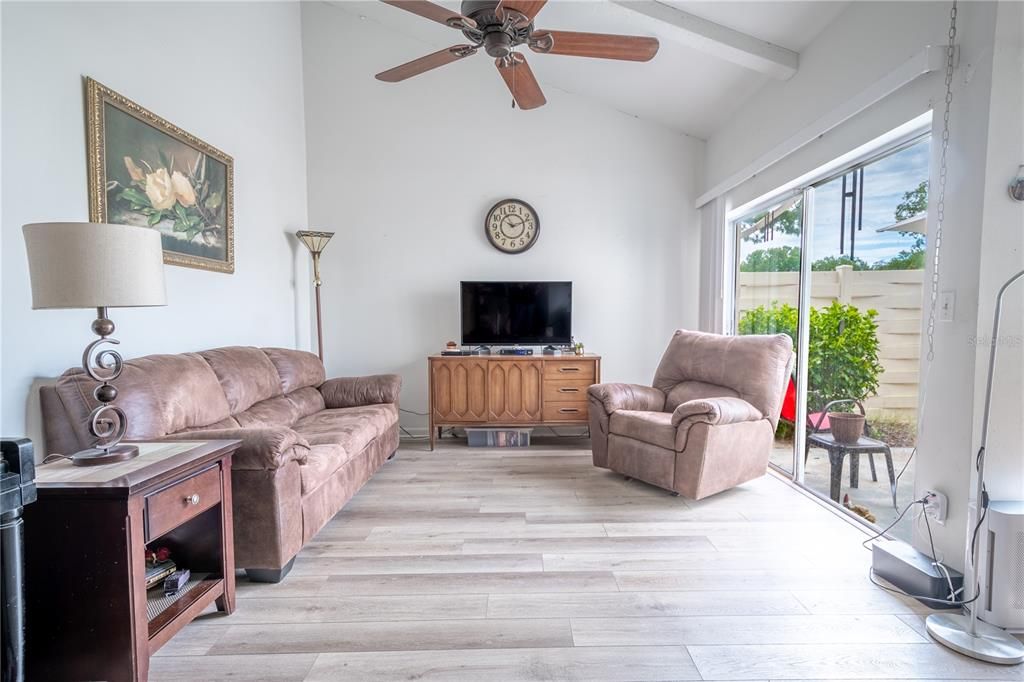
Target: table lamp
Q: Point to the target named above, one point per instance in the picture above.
(316, 242)
(94, 265)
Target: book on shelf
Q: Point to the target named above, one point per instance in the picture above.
(156, 572)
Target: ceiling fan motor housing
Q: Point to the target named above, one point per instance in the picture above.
(491, 33)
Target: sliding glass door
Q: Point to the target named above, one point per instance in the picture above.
(768, 257)
(839, 266)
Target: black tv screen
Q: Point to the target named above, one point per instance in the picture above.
(509, 313)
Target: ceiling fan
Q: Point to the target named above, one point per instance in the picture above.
(498, 27)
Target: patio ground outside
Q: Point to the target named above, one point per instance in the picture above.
(873, 495)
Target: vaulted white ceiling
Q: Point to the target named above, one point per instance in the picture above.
(693, 85)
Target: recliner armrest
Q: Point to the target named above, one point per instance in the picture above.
(356, 391)
(715, 411)
(261, 449)
(627, 397)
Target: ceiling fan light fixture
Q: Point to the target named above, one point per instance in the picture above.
(499, 27)
(498, 44)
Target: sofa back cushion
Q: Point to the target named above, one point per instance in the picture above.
(160, 394)
(166, 394)
(246, 374)
(296, 368)
(755, 368)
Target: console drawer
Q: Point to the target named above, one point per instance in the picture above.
(174, 505)
(581, 370)
(560, 390)
(567, 411)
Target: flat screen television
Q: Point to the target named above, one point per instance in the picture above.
(516, 313)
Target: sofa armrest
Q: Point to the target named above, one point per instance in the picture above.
(715, 411)
(627, 397)
(356, 391)
(262, 449)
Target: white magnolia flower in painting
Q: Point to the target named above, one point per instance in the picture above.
(183, 189)
(159, 189)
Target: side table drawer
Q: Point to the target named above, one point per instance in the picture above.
(173, 506)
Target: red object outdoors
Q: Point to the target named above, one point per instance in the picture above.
(788, 413)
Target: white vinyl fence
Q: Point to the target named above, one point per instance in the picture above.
(897, 295)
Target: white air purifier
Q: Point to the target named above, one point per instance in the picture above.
(1001, 565)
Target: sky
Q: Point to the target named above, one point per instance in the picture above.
(885, 182)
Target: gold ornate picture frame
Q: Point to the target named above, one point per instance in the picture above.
(146, 171)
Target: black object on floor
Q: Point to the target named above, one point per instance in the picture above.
(17, 488)
(916, 574)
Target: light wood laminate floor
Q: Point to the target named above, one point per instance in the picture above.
(496, 565)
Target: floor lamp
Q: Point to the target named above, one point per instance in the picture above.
(316, 242)
(962, 632)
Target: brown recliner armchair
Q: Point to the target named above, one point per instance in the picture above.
(708, 422)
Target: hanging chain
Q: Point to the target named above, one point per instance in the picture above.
(940, 203)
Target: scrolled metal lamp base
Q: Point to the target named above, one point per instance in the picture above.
(107, 423)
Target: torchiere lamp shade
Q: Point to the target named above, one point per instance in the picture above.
(94, 265)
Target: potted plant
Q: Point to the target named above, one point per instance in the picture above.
(846, 427)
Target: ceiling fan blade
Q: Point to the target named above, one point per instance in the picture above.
(597, 45)
(431, 61)
(433, 12)
(528, 8)
(520, 81)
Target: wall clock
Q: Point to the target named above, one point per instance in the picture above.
(512, 226)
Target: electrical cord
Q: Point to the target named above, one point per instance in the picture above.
(53, 457)
(936, 561)
(899, 518)
(905, 465)
(949, 601)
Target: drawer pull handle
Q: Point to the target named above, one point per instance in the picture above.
(568, 409)
(568, 390)
(192, 499)
(568, 369)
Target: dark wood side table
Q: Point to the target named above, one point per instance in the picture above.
(88, 613)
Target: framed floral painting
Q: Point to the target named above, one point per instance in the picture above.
(146, 171)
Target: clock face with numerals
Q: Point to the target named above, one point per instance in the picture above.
(512, 226)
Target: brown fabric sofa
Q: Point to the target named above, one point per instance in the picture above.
(708, 422)
(308, 444)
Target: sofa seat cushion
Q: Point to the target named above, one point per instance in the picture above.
(350, 427)
(649, 427)
(321, 463)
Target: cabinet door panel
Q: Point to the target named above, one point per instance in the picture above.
(459, 390)
(514, 391)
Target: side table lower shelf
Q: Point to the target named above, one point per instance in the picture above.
(197, 594)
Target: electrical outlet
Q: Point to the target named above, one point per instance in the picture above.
(947, 306)
(937, 506)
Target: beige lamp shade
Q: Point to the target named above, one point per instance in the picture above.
(94, 265)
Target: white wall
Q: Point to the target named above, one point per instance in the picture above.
(404, 174)
(1002, 254)
(981, 241)
(230, 73)
(860, 47)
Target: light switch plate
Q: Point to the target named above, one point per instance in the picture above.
(947, 306)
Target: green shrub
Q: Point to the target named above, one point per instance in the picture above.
(843, 354)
